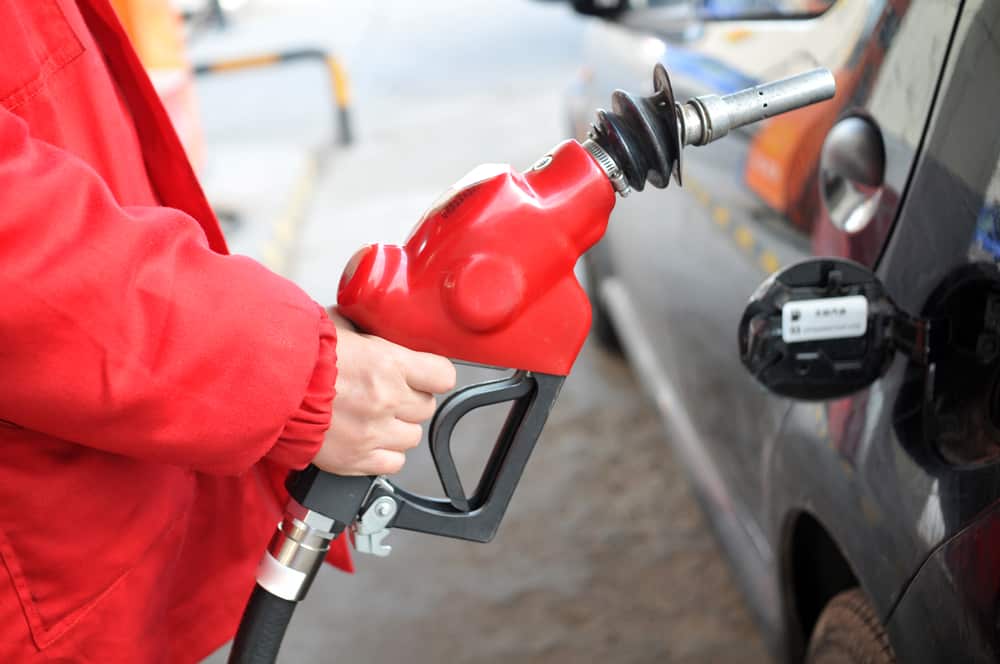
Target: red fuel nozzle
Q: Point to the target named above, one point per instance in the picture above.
(487, 275)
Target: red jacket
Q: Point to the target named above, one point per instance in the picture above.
(153, 390)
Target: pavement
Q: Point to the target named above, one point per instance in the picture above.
(604, 555)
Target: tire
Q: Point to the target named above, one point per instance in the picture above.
(601, 10)
(849, 632)
(596, 264)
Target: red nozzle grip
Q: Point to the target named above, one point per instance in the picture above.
(487, 275)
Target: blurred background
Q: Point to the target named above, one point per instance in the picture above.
(318, 126)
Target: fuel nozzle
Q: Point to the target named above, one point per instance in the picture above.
(641, 138)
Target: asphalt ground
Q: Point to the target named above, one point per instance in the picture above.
(604, 555)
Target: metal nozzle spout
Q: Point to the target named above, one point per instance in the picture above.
(710, 117)
(643, 137)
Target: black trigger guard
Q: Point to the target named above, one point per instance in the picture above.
(453, 409)
(345, 499)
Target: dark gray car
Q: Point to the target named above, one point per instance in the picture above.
(869, 524)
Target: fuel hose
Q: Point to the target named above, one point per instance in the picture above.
(265, 620)
(293, 557)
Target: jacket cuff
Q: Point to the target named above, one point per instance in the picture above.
(302, 436)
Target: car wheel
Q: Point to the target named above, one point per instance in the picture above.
(597, 265)
(849, 632)
(600, 8)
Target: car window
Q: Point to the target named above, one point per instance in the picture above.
(985, 244)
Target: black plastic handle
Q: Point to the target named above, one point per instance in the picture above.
(477, 518)
(503, 470)
(338, 497)
(453, 409)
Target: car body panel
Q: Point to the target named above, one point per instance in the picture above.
(685, 261)
(852, 462)
(951, 221)
(949, 612)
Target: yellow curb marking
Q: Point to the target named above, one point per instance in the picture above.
(769, 262)
(721, 216)
(744, 237)
(277, 251)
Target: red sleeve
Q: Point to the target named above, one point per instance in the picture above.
(121, 330)
(303, 433)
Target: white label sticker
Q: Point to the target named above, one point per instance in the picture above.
(826, 318)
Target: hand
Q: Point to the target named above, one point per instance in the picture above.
(384, 392)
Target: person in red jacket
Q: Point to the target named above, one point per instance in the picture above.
(154, 390)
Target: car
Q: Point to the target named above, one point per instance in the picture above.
(864, 528)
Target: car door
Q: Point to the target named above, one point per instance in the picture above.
(684, 260)
(919, 450)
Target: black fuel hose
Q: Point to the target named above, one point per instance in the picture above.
(265, 620)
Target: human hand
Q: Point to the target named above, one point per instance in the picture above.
(384, 392)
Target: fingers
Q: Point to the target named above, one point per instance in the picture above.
(383, 454)
(425, 372)
(382, 393)
(417, 408)
(364, 436)
(400, 436)
(375, 462)
(385, 462)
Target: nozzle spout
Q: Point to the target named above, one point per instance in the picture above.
(641, 138)
(710, 117)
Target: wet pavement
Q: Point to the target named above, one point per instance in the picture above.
(604, 555)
